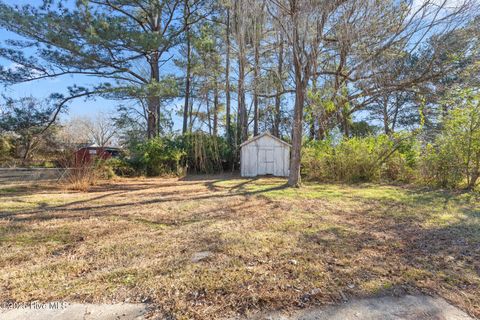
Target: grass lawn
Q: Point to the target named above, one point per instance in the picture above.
(263, 246)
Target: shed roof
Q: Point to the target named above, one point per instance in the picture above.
(263, 135)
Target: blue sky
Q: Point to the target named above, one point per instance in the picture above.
(43, 88)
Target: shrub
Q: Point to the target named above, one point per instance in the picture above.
(372, 158)
(158, 156)
(6, 148)
(318, 161)
(401, 165)
(453, 159)
(104, 170)
(439, 166)
(196, 152)
(121, 167)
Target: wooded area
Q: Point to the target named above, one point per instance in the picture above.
(312, 72)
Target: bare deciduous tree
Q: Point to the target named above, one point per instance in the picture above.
(99, 129)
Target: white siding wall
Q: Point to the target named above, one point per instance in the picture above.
(265, 155)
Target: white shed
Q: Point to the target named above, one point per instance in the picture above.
(264, 154)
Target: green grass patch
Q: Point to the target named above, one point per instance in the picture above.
(8, 190)
(36, 237)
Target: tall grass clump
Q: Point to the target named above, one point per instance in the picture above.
(205, 153)
(81, 174)
(81, 177)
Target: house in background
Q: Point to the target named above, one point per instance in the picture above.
(264, 154)
(88, 153)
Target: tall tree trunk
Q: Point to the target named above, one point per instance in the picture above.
(395, 114)
(227, 81)
(159, 127)
(152, 120)
(344, 117)
(256, 110)
(190, 117)
(242, 110)
(187, 76)
(386, 125)
(294, 178)
(472, 176)
(153, 100)
(209, 116)
(346, 126)
(313, 112)
(215, 109)
(278, 96)
(473, 180)
(311, 132)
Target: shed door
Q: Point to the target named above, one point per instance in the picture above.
(265, 161)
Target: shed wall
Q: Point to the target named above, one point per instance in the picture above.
(265, 155)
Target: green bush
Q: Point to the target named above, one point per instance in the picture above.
(6, 148)
(159, 156)
(453, 160)
(439, 166)
(367, 159)
(402, 163)
(195, 152)
(121, 167)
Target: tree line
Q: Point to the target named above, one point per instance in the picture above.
(301, 69)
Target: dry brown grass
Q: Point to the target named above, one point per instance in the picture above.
(271, 247)
(80, 179)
